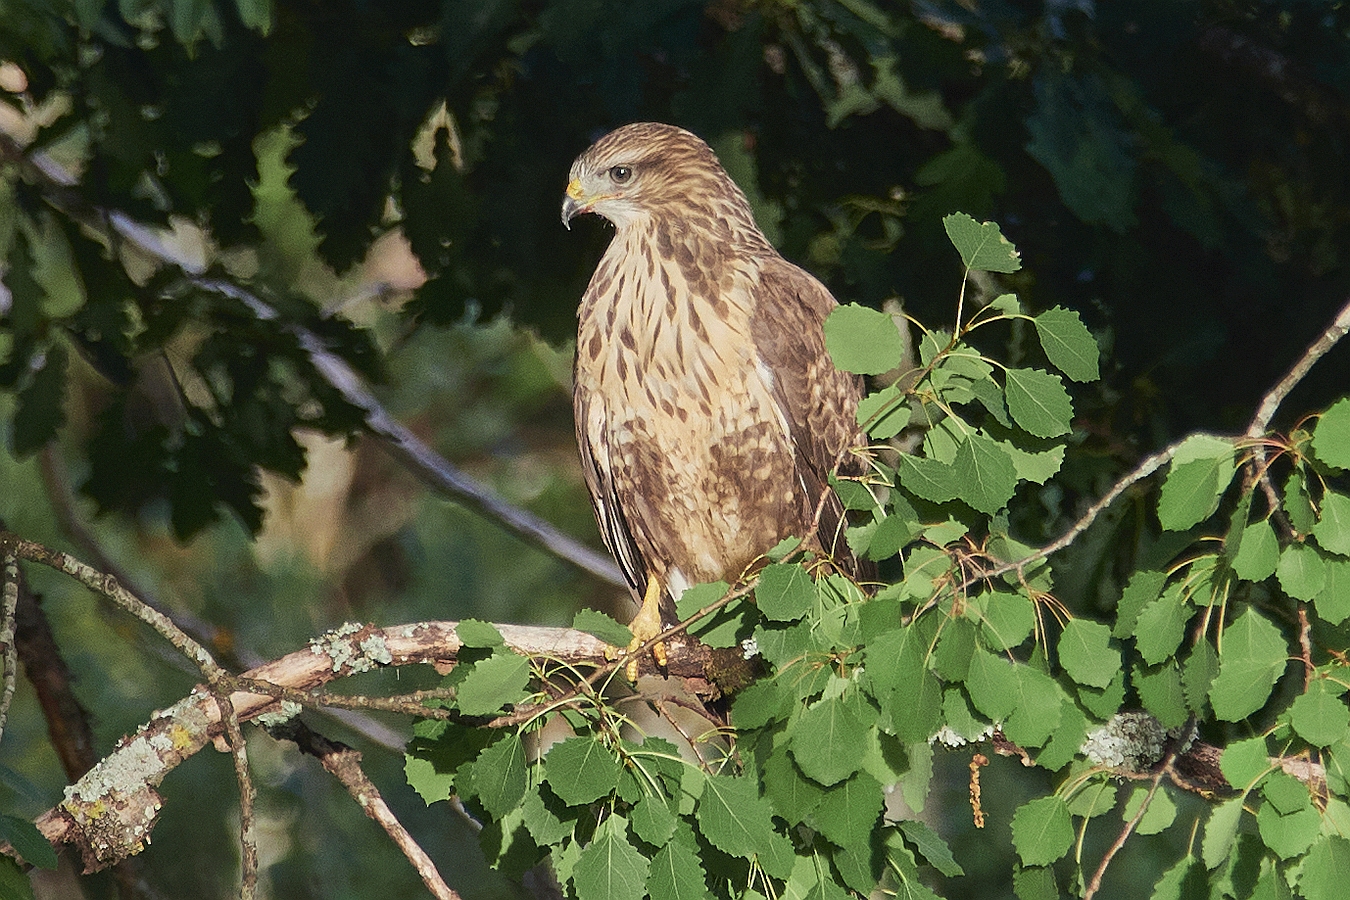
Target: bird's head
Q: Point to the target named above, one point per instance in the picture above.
(644, 170)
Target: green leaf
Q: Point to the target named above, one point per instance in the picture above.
(1037, 467)
(1320, 716)
(1333, 527)
(931, 847)
(736, 820)
(473, 633)
(885, 413)
(848, 812)
(40, 409)
(1161, 694)
(1095, 799)
(1253, 658)
(1161, 625)
(699, 596)
(982, 245)
(25, 838)
(1333, 602)
(14, 883)
(1301, 571)
(1244, 762)
(1297, 502)
(1326, 870)
(1289, 833)
(499, 775)
(1042, 831)
(1038, 402)
(1037, 708)
(1186, 880)
(1331, 438)
(653, 821)
(581, 770)
(1067, 739)
(893, 533)
(542, 823)
(1086, 653)
(493, 683)
(1157, 818)
(1220, 831)
(794, 795)
(677, 874)
(992, 685)
(610, 868)
(862, 340)
(255, 14)
(1035, 883)
(1143, 588)
(1068, 344)
(1201, 470)
(1259, 552)
(785, 592)
(825, 740)
(1006, 618)
(599, 625)
(1197, 675)
(985, 475)
(927, 479)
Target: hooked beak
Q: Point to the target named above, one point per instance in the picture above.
(573, 203)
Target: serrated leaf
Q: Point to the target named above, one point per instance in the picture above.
(1244, 762)
(825, 740)
(610, 868)
(597, 624)
(931, 847)
(1252, 659)
(1035, 883)
(541, 822)
(473, 633)
(1161, 625)
(1301, 571)
(982, 245)
(1200, 473)
(1320, 716)
(1157, 818)
(985, 475)
(794, 795)
(1095, 799)
(1037, 708)
(848, 812)
(499, 775)
(1297, 502)
(1220, 831)
(1197, 675)
(653, 821)
(1331, 437)
(493, 683)
(1259, 553)
(1086, 653)
(1038, 402)
(1068, 344)
(677, 874)
(1333, 527)
(1037, 467)
(927, 479)
(1067, 739)
(736, 820)
(884, 414)
(862, 340)
(581, 770)
(1326, 870)
(1042, 831)
(1288, 834)
(1143, 588)
(991, 685)
(892, 533)
(699, 596)
(1161, 694)
(1186, 880)
(1006, 618)
(785, 592)
(1333, 601)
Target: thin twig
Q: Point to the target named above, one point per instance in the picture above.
(9, 605)
(248, 836)
(1095, 884)
(344, 763)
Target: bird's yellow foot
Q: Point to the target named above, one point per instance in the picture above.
(645, 626)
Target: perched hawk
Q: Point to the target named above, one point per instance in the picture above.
(708, 412)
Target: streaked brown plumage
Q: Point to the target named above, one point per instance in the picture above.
(707, 409)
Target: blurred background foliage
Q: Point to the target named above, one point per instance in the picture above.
(388, 174)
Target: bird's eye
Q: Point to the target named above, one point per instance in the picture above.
(621, 174)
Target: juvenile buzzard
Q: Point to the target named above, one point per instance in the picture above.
(707, 409)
